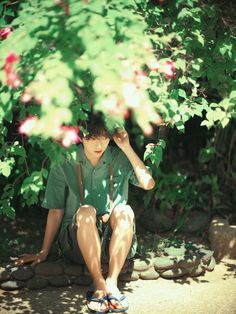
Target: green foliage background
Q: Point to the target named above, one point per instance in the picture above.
(75, 60)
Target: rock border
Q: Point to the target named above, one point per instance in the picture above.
(187, 259)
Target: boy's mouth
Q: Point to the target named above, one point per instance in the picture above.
(98, 151)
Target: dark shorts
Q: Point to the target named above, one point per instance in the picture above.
(68, 247)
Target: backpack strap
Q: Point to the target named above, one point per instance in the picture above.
(81, 185)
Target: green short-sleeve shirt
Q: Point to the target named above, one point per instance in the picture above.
(62, 190)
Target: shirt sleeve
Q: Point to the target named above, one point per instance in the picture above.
(55, 190)
(133, 179)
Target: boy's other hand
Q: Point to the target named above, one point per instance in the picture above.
(121, 138)
(27, 258)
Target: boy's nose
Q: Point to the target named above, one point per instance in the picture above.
(99, 145)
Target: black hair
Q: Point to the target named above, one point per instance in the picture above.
(94, 127)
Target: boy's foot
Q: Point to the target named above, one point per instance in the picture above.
(97, 301)
(117, 301)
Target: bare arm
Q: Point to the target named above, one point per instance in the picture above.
(144, 177)
(53, 223)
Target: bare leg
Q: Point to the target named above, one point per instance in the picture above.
(122, 219)
(90, 247)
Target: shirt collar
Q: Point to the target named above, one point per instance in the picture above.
(105, 159)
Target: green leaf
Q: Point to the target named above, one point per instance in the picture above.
(5, 168)
(225, 122)
(206, 154)
(10, 12)
(182, 93)
(232, 94)
(180, 126)
(226, 48)
(162, 144)
(200, 37)
(148, 153)
(10, 212)
(184, 13)
(158, 155)
(18, 150)
(5, 97)
(207, 123)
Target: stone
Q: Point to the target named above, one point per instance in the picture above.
(128, 266)
(222, 237)
(49, 269)
(188, 262)
(164, 263)
(149, 274)
(73, 270)
(59, 281)
(23, 273)
(37, 283)
(4, 274)
(8, 266)
(83, 280)
(159, 222)
(129, 276)
(11, 285)
(175, 251)
(211, 265)
(196, 271)
(196, 221)
(142, 264)
(174, 273)
(205, 255)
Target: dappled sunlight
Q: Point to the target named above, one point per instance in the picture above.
(144, 176)
(49, 300)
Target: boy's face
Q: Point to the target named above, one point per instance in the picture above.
(95, 147)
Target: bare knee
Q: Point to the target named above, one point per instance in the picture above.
(122, 217)
(86, 214)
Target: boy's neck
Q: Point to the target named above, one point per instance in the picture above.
(93, 161)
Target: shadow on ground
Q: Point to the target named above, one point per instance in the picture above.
(50, 300)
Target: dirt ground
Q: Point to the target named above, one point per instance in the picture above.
(212, 293)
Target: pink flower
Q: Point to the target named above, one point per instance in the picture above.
(127, 114)
(140, 73)
(27, 125)
(168, 69)
(70, 135)
(25, 97)
(11, 58)
(12, 78)
(5, 32)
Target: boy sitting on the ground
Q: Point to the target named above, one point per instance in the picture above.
(87, 200)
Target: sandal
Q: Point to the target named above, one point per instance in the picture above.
(119, 299)
(91, 298)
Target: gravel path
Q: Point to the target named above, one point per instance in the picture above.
(213, 293)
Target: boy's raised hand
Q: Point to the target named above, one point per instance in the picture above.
(27, 258)
(121, 138)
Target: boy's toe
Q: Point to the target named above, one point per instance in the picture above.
(97, 303)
